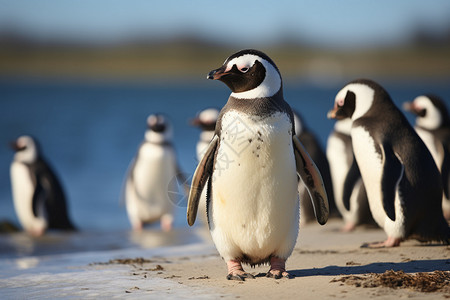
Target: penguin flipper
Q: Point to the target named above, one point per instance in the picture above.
(310, 175)
(201, 176)
(350, 181)
(445, 171)
(393, 171)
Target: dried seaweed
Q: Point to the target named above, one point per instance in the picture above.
(423, 282)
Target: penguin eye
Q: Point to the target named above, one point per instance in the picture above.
(244, 69)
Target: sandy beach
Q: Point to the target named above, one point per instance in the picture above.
(322, 255)
(326, 263)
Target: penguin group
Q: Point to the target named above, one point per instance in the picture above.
(376, 169)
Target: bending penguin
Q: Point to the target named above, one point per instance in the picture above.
(433, 126)
(206, 121)
(151, 177)
(349, 192)
(402, 181)
(38, 196)
(251, 168)
(314, 149)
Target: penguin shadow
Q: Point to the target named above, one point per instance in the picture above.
(413, 266)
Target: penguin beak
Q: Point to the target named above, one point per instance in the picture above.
(196, 121)
(336, 113)
(15, 146)
(408, 106)
(216, 74)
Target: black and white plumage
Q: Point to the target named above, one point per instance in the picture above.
(349, 192)
(151, 176)
(314, 149)
(433, 127)
(251, 168)
(206, 121)
(401, 179)
(39, 199)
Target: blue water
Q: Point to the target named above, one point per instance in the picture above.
(90, 132)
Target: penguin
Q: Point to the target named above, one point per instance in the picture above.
(401, 179)
(251, 168)
(38, 196)
(151, 176)
(346, 178)
(206, 121)
(433, 126)
(314, 149)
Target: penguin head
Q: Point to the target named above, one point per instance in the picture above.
(206, 119)
(430, 111)
(159, 129)
(249, 74)
(356, 99)
(26, 148)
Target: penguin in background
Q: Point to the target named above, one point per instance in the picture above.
(400, 176)
(433, 126)
(314, 149)
(151, 177)
(349, 191)
(206, 121)
(251, 168)
(39, 199)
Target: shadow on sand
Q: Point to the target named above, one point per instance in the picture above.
(378, 267)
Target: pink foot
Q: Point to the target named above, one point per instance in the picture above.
(138, 226)
(166, 223)
(236, 272)
(348, 227)
(447, 215)
(390, 242)
(277, 268)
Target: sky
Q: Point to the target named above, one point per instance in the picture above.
(342, 23)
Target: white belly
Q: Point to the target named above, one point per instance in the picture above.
(431, 144)
(370, 165)
(255, 202)
(23, 191)
(147, 196)
(339, 167)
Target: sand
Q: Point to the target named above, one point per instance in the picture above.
(326, 263)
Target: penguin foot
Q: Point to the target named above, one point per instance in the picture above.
(166, 222)
(348, 227)
(277, 268)
(236, 272)
(390, 242)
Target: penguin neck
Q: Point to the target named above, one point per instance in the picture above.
(206, 135)
(257, 107)
(261, 106)
(157, 138)
(26, 157)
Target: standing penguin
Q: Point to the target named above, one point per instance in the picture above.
(349, 192)
(433, 126)
(39, 199)
(402, 181)
(314, 149)
(151, 177)
(206, 121)
(251, 168)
